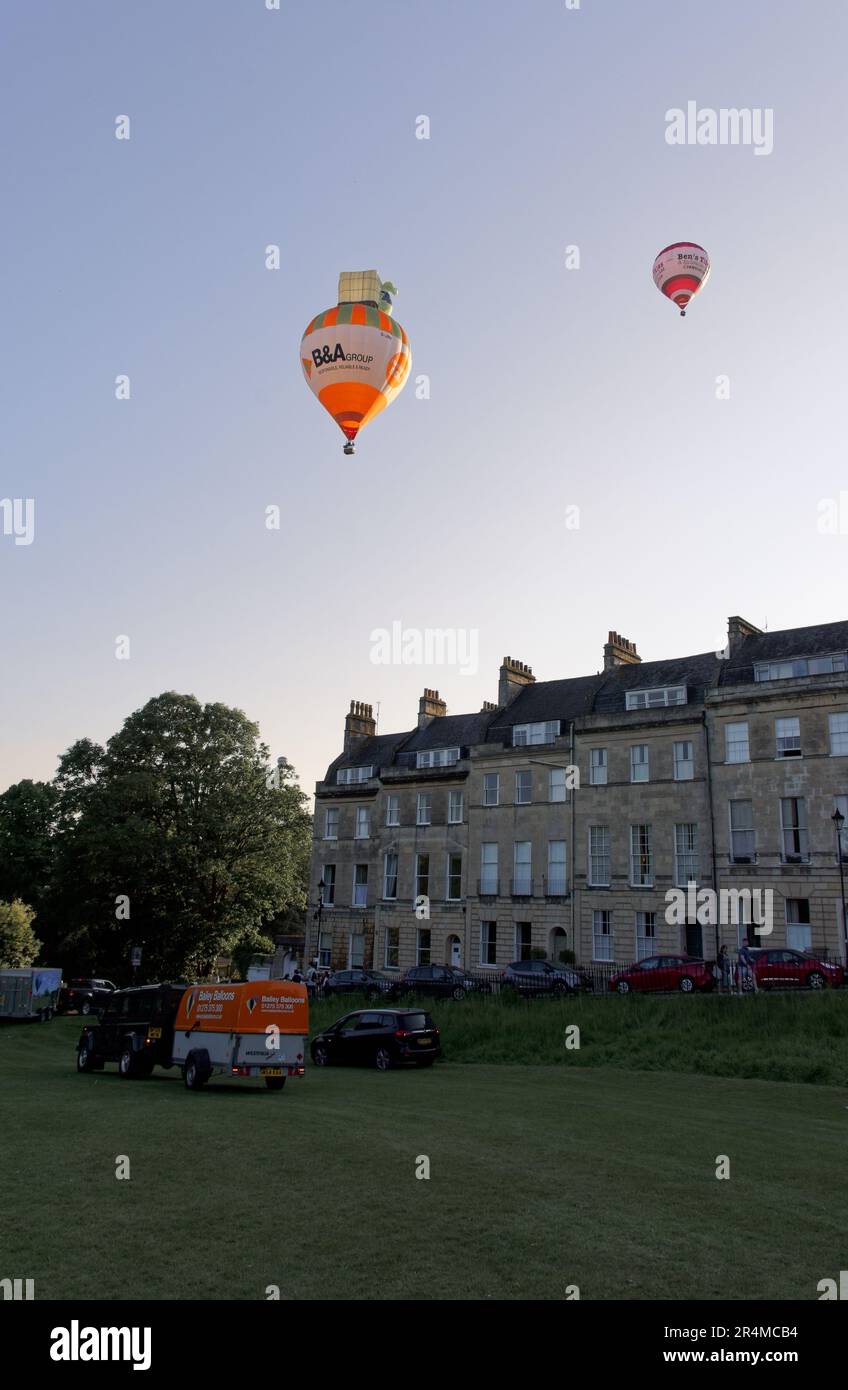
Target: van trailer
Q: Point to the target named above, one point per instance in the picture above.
(254, 1029)
(30, 993)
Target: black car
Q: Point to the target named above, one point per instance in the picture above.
(136, 1030)
(435, 981)
(535, 977)
(86, 996)
(368, 982)
(380, 1038)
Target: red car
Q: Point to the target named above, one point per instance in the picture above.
(664, 972)
(783, 966)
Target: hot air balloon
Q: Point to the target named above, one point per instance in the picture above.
(355, 357)
(680, 271)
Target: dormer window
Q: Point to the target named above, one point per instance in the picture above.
(345, 775)
(801, 666)
(525, 734)
(437, 757)
(656, 698)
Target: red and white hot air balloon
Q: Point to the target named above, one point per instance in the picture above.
(680, 271)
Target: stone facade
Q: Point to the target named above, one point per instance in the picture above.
(561, 818)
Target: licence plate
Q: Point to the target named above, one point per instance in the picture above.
(154, 1032)
(270, 1071)
(424, 1042)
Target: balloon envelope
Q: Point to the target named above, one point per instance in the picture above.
(680, 271)
(356, 360)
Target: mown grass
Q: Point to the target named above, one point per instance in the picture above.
(775, 1037)
(541, 1177)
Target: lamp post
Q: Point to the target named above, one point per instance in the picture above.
(838, 820)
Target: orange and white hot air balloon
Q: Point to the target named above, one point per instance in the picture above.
(680, 271)
(356, 358)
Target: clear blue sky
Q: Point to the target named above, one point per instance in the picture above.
(549, 388)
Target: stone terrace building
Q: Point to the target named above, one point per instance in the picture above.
(560, 817)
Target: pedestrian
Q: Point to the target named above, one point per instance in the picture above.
(747, 973)
(723, 964)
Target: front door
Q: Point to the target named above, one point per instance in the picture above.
(694, 940)
(455, 951)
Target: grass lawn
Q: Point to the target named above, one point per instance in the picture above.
(541, 1177)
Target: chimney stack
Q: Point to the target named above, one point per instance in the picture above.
(489, 707)
(737, 630)
(513, 677)
(619, 652)
(359, 724)
(430, 707)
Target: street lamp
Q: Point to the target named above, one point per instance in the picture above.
(317, 918)
(838, 820)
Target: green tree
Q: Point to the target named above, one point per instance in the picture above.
(19, 945)
(174, 838)
(27, 836)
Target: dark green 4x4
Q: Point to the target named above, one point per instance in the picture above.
(135, 1029)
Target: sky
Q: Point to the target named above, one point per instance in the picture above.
(578, 459)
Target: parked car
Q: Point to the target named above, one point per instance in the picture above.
(781, 966)
(664, 972)
(541, 977)
(381, 1038)
(368, 982)
(85, 996)
(435, 981)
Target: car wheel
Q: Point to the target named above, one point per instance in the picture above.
(127, 1064)
(85, 1007)
(815, 980)
(623, 987)
(382, 1059)
(458, 993)
(687, 985)
(275, 1083)
(85, 1059)
(321, 1056)
(193, 1077)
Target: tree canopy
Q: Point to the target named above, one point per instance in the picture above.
(172, 838)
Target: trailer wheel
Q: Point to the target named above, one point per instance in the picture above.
(195, 1079)
(275, 1083)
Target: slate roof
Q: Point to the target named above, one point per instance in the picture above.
(450, 731)
(820, 640)
(603, 693)
(376, 752)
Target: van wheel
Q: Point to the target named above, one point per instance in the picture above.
(193, 1077)
(275, 1083)
(382, 1059)
(85, 1060)
(127, 1065)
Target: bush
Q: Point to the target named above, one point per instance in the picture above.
(19, 945)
